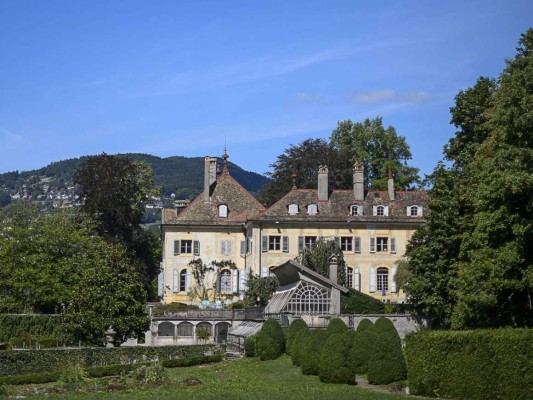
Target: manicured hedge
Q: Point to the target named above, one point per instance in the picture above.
(26, 327)
(387, 362)
(356, 302)
(311, 350)
(481, 364)
(15, 362)
(295, 327)
(364, 341)
(190, 361)
(298, 345)
(336, 325)
(270, 342)
(333, 367)
(249, 346)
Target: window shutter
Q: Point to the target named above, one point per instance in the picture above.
(408, 211)
(228, 247)
(243, 247)
(218, 281)
(393, 245)
(338, 240)
(357, 280)
(372, 287)
(248, 245)
(176, 247)
(161, 284)
(264, 244)
(420, 211)
(285, 244)
(188, 281)
(223, 247)
(357, 245)
(392, 281)
(235, 279)
(374, 210)
(196, 247)
(372, 244)
(386, 211)
(243, 280)
(264, 272)
(300, 243)
(175, 281)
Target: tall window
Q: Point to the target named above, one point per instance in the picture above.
(225, 281)
(309, 299)
(346, 243)
(274, 242)
(225, 247)
(309, 241)
(186, 246)
(349, 277)
(382, 244)
(383, 279)
(183, 280)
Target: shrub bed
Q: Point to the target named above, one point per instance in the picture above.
(15, 362)
(333, 367)
(356, 302)
(32, 327)
(481, 364)
(387, 362)
(270, 342)
(295, 327)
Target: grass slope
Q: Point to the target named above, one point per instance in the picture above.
(243, 379)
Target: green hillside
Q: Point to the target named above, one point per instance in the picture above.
(53, 184)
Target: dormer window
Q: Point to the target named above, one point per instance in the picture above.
(356, 210)
(414, 211)
(380, 211)
(223, 211)
(293, 209)
(312, 209)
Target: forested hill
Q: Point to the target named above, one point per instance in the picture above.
(182, 176)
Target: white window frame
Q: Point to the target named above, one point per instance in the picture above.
(223, 211)
(356, 210)
(225, 281)
(312, 209)
(293, 209)
(346, 243)
(418, 209)
(225, 247)
(382, 279)
(382, 244)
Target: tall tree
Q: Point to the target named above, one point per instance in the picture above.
(109, 294)
(379, 149)
(114, 190)
(317, 258)
(302, 161)
(495, 275)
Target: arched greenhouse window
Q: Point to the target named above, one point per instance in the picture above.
(309, 299)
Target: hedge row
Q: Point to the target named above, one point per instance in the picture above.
(13, 326)
(110, 370)
(15, 362)
(481, 364)
(359, 303)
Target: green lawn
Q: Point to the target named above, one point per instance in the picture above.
(243, 379)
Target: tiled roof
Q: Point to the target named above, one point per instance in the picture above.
(338, 207)
(226, 190)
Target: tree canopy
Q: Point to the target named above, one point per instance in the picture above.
(379, 148)
(471, 264)
(114, 190)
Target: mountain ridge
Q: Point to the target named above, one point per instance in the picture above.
(53, 184)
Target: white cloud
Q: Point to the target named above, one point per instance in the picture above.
(387, 95)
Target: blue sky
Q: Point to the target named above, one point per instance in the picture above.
(182, 77)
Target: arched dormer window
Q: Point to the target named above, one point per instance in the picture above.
(381, 211)
(414, 211)
(312, 209)
(223, 211)
(356, 210)
(293, 209)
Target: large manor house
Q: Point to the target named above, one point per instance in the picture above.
(226, 223)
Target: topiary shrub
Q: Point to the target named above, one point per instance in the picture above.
(249, 346)
(356, 302)
(361, 349)
(298, 345)
(295, 327)
(336, 325)
(333, 367)
(387, 362)
(311, 350)
(364, 324)
(270, 343)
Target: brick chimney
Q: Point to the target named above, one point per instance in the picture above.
(210, 175)
(390, 186)
(335, 305)
(359, 181)
(323, 184)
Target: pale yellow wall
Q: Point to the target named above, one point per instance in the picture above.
(210, 250)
